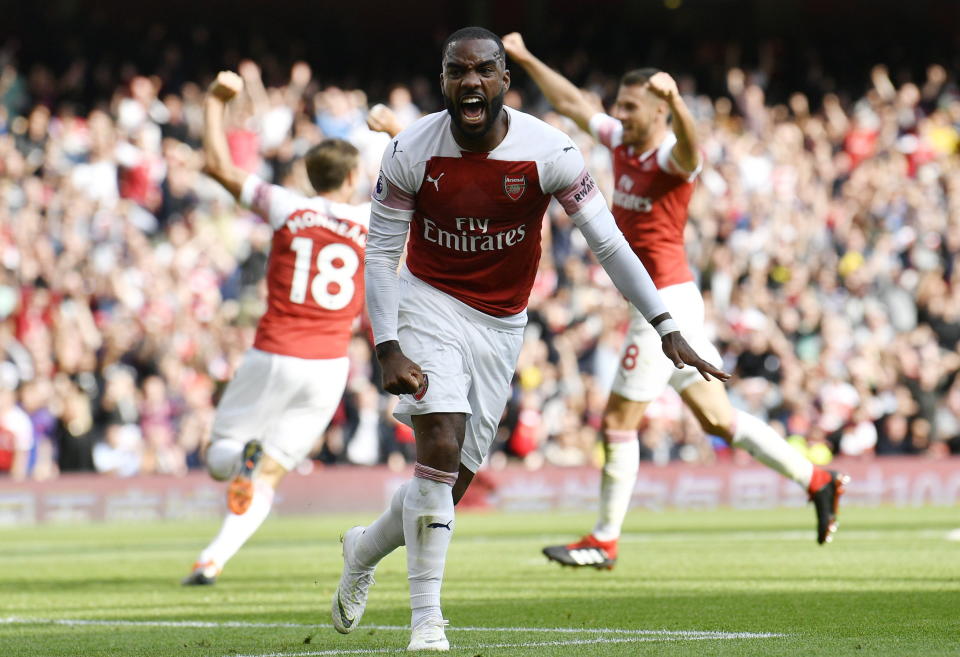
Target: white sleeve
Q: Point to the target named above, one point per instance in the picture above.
(606, 129)
(668, 163)
(384, 248)
(390, 213)
(272, 202)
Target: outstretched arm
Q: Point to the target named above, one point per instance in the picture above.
(217, 162)
(631, 278)
(562, 94)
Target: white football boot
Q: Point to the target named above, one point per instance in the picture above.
(429, 635)
(350, 598)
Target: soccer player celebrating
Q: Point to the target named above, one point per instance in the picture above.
(654, 169)
(290, 382)
(470, 187)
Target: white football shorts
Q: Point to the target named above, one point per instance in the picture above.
(644, 370)
(284, 401)
(468, 356)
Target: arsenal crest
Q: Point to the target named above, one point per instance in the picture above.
(514, 186)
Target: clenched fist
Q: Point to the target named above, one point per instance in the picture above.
(663, 86)
(227, 85)
(515, 47)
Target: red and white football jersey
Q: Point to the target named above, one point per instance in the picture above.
(650, 199)
(476, 217)
(315, 271)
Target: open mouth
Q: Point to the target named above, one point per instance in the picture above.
(473, 109)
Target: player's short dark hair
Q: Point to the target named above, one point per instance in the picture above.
(329, 163)
(466, 33)
(638, 76)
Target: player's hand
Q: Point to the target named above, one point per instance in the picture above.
(226, 85)
(382, 119)
(515, 47)
(680, 353)
(663, 86)
(400, 375)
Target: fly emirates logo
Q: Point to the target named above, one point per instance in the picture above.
(472, 235)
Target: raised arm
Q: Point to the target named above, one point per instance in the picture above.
(217, 162)
(685, 153)
(559, 91)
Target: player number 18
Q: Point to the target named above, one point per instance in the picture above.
(327, 272)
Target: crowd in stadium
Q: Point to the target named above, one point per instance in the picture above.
(825, 233)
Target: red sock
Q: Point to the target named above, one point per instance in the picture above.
(818, 480)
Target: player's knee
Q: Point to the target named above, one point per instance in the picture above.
(437, 444)
(622, 417)
(272, 468)
(622, 414)
(223, 459)
(441, 454)
(616, 422)
(717, 424)
(271, 471)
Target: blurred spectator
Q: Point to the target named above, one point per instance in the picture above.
(825, 234)
(16, 430)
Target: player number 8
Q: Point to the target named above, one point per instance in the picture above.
(327, 272)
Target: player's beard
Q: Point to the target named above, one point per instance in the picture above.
(493, 109)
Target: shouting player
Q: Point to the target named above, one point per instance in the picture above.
(470, 187)
(654, 169)
(290, 382)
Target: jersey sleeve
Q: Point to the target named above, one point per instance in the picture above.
(606, 129)
(391, 210)
(668, 163)
(272, 202)
(568, 180)
(393, 194)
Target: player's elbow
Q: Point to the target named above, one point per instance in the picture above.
(217, 171)
(376, 259)
(569, 107)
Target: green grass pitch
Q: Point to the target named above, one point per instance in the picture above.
(693, 583)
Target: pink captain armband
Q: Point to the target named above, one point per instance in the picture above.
(576, 197)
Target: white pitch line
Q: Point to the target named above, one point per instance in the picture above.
(653, 634)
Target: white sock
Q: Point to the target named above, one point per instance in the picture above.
(427, 529)
(223, 458)
(622, 451)
(237, 529)
(385, 534)
(767, 446)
